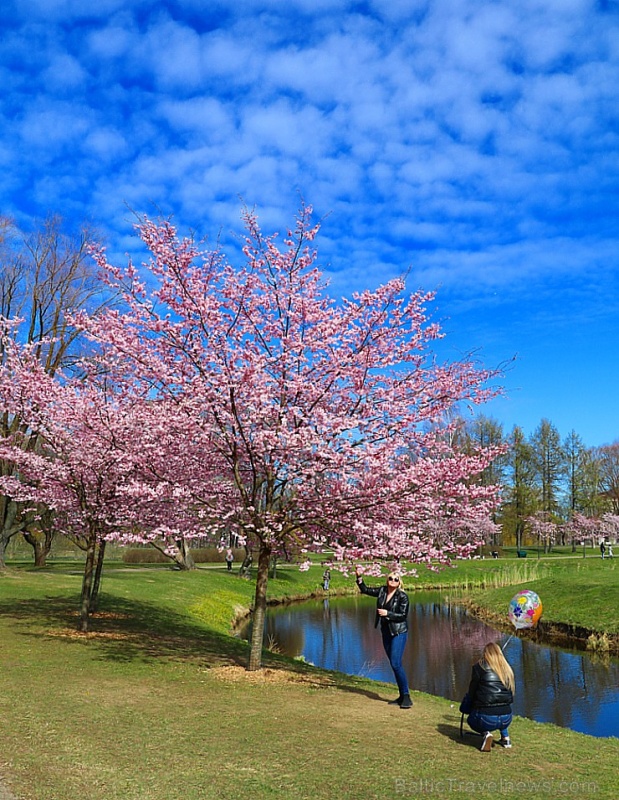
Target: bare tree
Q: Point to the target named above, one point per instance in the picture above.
(607, 458)
(521, 496)
(43, 276)
(549, 461)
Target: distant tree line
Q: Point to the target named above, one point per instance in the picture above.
(547, 479)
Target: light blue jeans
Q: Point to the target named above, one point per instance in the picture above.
(394, 647)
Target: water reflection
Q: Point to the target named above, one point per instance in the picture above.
(568, 688)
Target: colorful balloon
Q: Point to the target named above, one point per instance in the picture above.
(525, 609)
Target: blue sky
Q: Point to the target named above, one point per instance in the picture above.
(474, 143)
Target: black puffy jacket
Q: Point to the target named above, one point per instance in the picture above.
(397, 607)
(487, 692)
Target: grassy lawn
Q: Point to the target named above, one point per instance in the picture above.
(155, 703)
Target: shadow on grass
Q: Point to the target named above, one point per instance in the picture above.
(125, 631)
(468, 738)
(349, 687)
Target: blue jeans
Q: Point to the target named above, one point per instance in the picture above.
(490, 722)
(394, 647)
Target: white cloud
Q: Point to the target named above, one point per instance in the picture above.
(106, 144)
(443, 128)
(199, 119)
(64, 74)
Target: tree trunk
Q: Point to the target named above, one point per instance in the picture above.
(183, 558)
(94, 594)
(9, 526)
(245, 568)
(87, 582)
(273, 568)
(3, 543)
(260, 605)
(41, 546)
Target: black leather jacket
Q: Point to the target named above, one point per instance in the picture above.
(487, 692)
(397, 608)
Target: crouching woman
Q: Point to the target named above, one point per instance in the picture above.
(490, 696)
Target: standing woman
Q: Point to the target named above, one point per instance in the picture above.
(490, 695)
(391, 612)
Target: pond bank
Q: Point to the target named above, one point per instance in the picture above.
(561, 634)
(555, 632)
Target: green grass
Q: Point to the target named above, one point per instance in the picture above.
(580, 593)
(155, 703)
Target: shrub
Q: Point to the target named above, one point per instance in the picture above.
(144, 555)
(201, 555)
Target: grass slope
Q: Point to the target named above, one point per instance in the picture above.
(155, 704)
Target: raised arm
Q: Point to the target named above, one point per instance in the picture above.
(371, 590)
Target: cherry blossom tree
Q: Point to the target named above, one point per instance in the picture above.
(72, 453)
(96, 463)
(307, 422)
(543, 528)
(609, 526)
(584, 528)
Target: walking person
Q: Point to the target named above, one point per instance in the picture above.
(602, 548)
(490, 697)
(229, 558)
(326, 579)
(392, 613)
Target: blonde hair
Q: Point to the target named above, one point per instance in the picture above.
(493, 657)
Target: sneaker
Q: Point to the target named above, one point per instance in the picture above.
(506, 742)
(486, 745)
(406, 702)
(396, 702)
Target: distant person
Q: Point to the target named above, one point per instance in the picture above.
(602, 548)
(490, 697)
(229, 559)
(392, 613)
(326, 579)
(610, 551)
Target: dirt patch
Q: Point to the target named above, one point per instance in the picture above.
(70, 633)
(236, 674)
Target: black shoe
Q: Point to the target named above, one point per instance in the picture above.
(396, 702)
(406, 702)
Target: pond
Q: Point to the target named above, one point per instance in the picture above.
(569, 688)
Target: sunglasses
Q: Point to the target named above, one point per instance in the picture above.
(393, 579)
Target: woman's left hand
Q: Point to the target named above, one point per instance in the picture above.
(382, 612)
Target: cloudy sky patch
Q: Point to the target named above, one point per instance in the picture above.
(474, 146)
